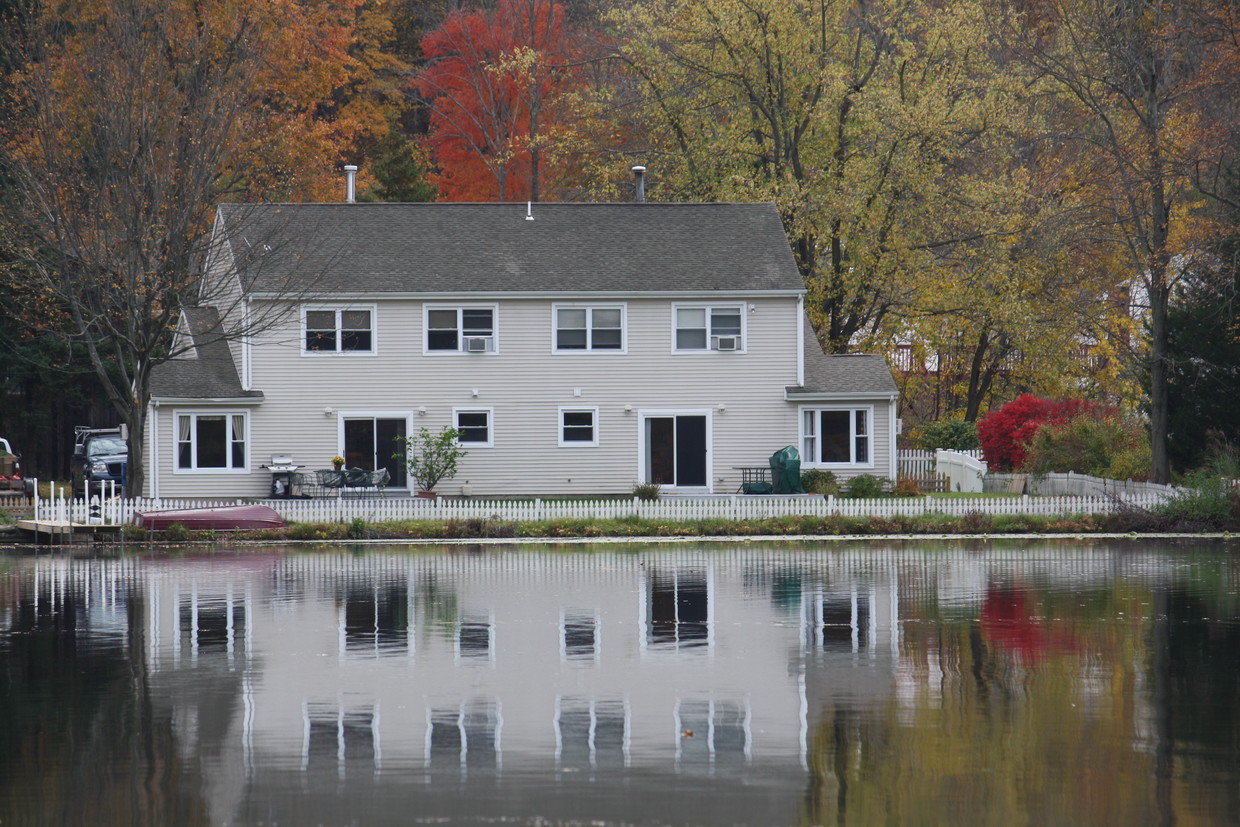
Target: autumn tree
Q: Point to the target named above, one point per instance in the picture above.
(496, 82)
(1145, 94)
(130, 120)
(877, 128)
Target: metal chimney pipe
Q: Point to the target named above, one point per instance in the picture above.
(639, 173)
(350, 183)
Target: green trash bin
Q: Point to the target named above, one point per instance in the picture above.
(786, 471)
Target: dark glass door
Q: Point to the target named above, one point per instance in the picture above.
(676, 450)
(370, 443)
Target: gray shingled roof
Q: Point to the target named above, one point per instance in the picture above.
(852, 373)
(212, 375)
(492, 248)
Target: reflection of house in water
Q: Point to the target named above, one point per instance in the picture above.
(455, 672)
(460, 677)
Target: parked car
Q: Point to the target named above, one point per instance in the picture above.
(11, 479)
(99, 456)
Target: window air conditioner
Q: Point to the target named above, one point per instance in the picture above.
(727, 342)
(477, 344)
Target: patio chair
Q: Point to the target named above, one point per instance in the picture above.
(330, 482)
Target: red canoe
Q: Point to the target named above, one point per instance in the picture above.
(221, 518)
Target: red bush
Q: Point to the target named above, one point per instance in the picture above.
(1005, 433)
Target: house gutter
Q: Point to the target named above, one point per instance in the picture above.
(795, 395)
(722, 295)
(206, 400)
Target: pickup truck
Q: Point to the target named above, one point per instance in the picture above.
(99, 456)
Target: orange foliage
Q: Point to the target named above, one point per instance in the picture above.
(497, 83)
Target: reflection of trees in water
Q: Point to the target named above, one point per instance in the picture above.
(80, 733)
(438, 609)
(1136, 721)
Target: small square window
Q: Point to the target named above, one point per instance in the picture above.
(578, 427)
(474, 428)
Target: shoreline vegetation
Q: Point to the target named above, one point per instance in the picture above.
(1210, 506)
(973, 524)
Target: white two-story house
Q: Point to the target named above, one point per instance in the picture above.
(577, 348)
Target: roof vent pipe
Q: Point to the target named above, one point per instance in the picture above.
(350, 183)
(639, 174)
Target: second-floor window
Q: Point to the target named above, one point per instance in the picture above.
(460, 329)
(589, 328)
(338, 330)
(708, 328)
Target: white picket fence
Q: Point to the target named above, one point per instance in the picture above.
(916, 463)
(671, 509)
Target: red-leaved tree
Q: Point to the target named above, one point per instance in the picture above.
(1005, 433)
(497, 83)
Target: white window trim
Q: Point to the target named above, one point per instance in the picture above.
(560, 430)
(852, 437)
(197, 412)
(490, 412)
(709, 306)
(342, 415)
(590, 307)
(459, 306)
(643, 414)
(338, 307)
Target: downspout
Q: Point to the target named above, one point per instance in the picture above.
(247, 368)
(152, 420)
(891, 439)
(801, 341)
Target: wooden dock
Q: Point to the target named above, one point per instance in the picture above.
(63, 529)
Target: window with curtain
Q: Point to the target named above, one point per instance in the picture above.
(836, 436)
(211, 441)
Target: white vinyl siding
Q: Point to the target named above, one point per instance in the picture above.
(525, 388)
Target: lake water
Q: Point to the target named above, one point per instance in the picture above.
(1019, 682)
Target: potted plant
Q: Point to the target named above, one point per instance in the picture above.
(337, 462)
(430, 457)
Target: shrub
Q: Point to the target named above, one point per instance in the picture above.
(818, 481)
(1101, 443)
(648, 491)
(430, 457)
(1209, 497)
(947, 435)
(357, 529)
(176, 532)
(865, 486)
(1005, 433)
(907, 488)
